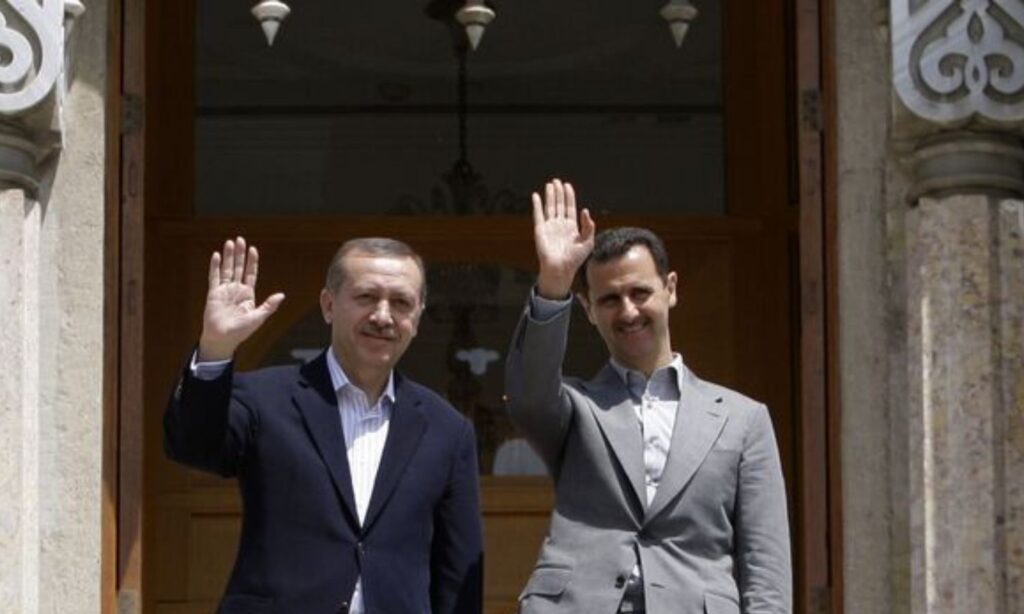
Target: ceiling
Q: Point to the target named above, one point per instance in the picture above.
(541, 53)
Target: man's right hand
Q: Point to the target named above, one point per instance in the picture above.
(231, 314)
(562, 243)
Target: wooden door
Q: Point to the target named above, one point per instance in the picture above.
(736, 323)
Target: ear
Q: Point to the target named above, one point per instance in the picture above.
(671, 282)
(327, 305)
(586, 304)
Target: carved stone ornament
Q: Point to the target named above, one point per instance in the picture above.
(956, 60)
(32, 38)
(32, 75)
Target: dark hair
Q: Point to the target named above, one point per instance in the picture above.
(373, 246)
(613, 243)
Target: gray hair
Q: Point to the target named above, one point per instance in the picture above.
(373, 246)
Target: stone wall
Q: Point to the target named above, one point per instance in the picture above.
(931, 315)
(51, 342)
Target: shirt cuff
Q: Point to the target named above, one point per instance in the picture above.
(207, 370)
(544, 309)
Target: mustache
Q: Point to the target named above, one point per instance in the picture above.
(386, 332)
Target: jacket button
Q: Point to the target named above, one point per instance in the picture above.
(343, 608)
(620, 581)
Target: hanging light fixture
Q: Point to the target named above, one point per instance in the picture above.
(678, 14)
(474, 17)
(461, 190)
(270, 14)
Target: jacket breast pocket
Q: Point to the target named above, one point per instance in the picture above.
(549, 582)
(720, 604)
(246, 604)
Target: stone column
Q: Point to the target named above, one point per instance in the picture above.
(19, 402)
(49, 410)
(959, 80)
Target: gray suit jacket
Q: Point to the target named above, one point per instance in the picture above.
(714, 540)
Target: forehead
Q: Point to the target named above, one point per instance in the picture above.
(634, 267)
(398, 272)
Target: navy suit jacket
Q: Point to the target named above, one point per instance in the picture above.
(302, 547)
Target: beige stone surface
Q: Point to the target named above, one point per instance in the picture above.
(51, 339)
(19, 394)
(866, 323)
(71, 254)
(1010, 266)
(963, 269)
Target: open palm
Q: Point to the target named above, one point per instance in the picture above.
(231, 314)
(563, 243)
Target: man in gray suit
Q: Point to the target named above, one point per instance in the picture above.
(669, 495)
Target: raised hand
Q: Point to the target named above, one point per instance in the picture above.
(231, 314)
(562, 243)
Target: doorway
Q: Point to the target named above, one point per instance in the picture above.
(370, 120)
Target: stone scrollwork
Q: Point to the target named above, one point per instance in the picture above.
(33, 69)
(31, 52)
(954, 60)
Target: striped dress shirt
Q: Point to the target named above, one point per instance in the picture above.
(366, 429)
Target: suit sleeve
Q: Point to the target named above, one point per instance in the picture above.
(536, 400)
(456, 558)
(762, 524)
(208, 425)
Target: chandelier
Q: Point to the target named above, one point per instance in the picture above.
(475, 15)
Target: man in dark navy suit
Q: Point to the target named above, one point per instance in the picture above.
(359, 486)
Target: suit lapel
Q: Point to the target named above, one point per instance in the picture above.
(699, 422)
(618, 422)
(407, 425)
(317, 401)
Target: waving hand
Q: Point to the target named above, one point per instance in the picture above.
(231, 313)
(563, 243)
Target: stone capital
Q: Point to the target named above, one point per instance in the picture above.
(33, 48)
(966, 162)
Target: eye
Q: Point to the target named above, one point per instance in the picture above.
(640, 294)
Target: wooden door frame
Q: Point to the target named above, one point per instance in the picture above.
(124, 251)
(819, 520)
(819, 486)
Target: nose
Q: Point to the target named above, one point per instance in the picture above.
(629, 310)
(382, 313)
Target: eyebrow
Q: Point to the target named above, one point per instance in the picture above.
(628, 290)
(381, 289)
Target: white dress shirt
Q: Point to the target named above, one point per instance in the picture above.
(655, 401)
(365, 429)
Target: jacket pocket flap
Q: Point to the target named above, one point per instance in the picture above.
(549, 581)
(720, 604)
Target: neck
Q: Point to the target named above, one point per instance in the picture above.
(371, 381)
(645, 365)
